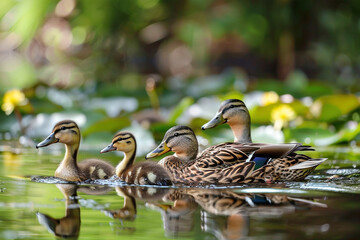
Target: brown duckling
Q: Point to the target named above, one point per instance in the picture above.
(69, 225)
(68, 133)
(144, 173)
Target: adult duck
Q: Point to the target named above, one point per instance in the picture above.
(288, 165)
(226, 164)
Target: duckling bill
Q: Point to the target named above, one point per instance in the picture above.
(68, 133)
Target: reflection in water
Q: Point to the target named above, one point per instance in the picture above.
(178, 218)
(128, 211)
(69, 225)
(220, 213)
(223, 213)
(130, 193)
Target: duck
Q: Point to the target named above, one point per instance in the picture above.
(143, 173)
(288, 165)
(228, 163)
(68, 133)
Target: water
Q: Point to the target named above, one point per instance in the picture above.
(325, 206)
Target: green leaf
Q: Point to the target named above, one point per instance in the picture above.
(179, 109)
(316, 136)
(329, 108)
(346, 134)
(30, 14)
(108, 124)
(262, 114)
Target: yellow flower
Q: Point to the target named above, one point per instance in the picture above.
(269, 98)
(281, 115)
(12, 99)
(12, 162)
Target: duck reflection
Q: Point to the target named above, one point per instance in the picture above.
(179, 217)
(224, 214)
(69, 225)
(130, 194)
(128, 211)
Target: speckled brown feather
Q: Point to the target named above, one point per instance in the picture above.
(194, 172)
(285, 165)
(139, 174)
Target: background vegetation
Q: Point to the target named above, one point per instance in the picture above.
(149, 64)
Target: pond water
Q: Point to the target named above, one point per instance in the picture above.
(324, 206)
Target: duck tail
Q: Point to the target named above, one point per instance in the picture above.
(311, 163)
(304, 148)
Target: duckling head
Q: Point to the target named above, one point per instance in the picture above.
(66, 132)
(179, 139)
(232, 112)
(122, 141)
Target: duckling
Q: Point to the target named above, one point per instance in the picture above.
(144, 173)
(288, 165)
(128, 211)
(68, 133)
(228, 163)
(69, 225)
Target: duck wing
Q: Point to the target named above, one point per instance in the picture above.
(225, 154)
(277, 150)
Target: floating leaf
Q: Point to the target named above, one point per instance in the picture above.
(329, 108)
(321, 136)
(348, 134)
(317, 136)
(262, 114)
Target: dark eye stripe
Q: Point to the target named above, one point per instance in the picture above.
(64, 128)
(234, 106)
(179, 134)
(120, 139)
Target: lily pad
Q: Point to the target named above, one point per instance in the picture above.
(329, 108)
(310, 135)
(262, 114)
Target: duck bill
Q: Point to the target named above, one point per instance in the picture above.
(216, 121)
(160, 150)
(109, 148)
(48, 141)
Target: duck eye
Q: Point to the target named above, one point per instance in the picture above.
(232, 106)
(119, 139)
(62, 128)
(176, 134)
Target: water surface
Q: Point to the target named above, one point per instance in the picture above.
(325, 206)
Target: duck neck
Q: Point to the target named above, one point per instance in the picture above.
(186, 154)
(184, 157)
(126, 163)
(241, 133)
(69, 161)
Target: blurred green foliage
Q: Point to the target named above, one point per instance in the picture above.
(170, 55)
